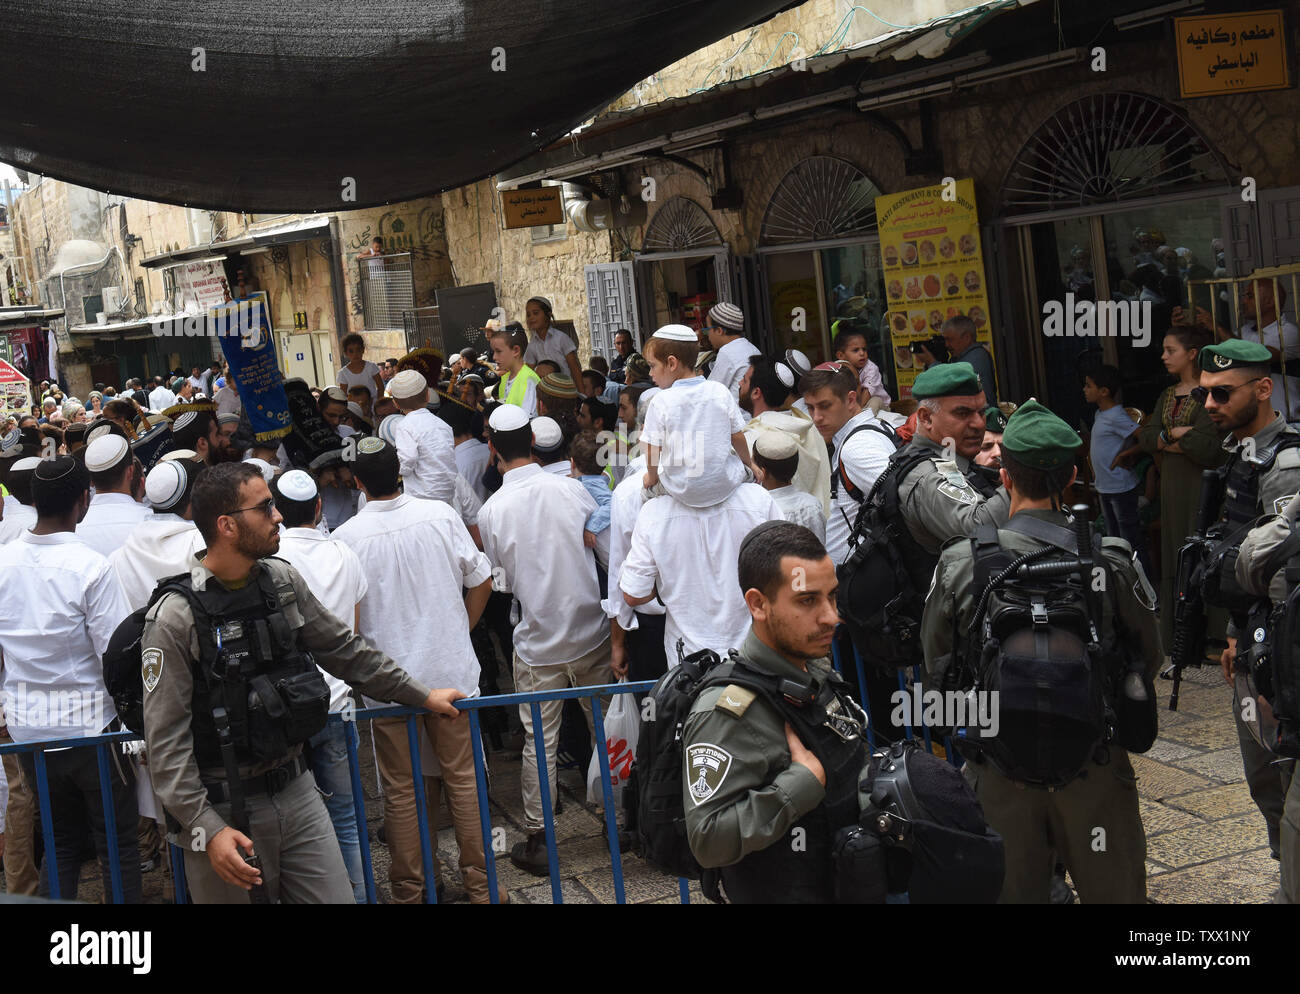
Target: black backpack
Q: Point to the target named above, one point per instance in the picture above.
(882, 583)
(122, 661)
(655, 806)
(1034, 642)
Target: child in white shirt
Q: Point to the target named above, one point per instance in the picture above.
(693, 436)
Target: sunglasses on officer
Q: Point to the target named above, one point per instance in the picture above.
(267, 507)
(1221, 395)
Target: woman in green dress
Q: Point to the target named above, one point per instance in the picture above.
(1184, 441)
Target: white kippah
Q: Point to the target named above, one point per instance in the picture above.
(297, 485)
(677, 333)
(228, 418)
(179, 454)
(26, 463)
(184, 419)
(775, 445)
(798, 362)
(543, 301)
(785, 374)
(263, 467)
(165, 485)
(405, 384)
(336, 393)
(388, 428)
(106, 452)
(508, 417)
(546, 433)
(355, 410)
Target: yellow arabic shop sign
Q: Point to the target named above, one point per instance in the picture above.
(529, 208)
(934, 268)
(1231, 53)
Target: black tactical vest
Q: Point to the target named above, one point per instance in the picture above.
(251, 663)
(1241, 510)
(798, 868)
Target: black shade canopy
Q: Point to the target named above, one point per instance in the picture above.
(288, 99)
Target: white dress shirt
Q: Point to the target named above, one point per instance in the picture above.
(556, 347)
(692, 423)
(161, 545)
(471, 462)
(624, 506)
(426, 451)
(110, 520)
(532, 534)
(730, 364)
(865, 458)
(334, 574)
(18, 518)
(561, 467)
(801, 508)
(418, 556)
(59, 606)
(160, 398)
(690, 555)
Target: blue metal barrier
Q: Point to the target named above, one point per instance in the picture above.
(102, 743)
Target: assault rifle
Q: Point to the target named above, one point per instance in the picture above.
(1189, 604)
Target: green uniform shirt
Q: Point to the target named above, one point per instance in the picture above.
(742, 793)
(938, 502)
(169, 648)
(953, 597)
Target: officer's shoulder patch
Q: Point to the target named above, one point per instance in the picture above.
(734, 700)
(961, 493)
(707, 766)
(151, 667)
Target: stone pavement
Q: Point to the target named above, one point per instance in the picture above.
(1206, 842)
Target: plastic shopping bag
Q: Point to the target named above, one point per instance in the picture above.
(622, 727)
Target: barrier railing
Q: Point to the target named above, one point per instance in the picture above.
(473, 707)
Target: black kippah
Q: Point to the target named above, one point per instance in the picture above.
(56, 468)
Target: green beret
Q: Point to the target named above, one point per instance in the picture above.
(947, 379)
(1233, 354)
(1039, 439)
(995, 421)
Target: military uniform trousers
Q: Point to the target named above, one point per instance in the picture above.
(1093, 824)
(1267, 776)
(1289, 845)
(452, 745)
(293, 835)
(589, 670)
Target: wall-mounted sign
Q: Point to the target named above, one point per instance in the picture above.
(934, 268)
(15, 396)
(1231, 53)
(529, 208)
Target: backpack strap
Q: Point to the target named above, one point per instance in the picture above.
(850, 488)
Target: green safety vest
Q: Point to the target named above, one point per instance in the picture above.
(519, 386)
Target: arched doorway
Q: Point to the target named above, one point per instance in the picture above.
(821, 260)
(1118, 199)
(683, 267)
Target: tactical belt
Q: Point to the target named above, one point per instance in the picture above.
(270, 783)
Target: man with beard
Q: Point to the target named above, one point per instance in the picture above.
(752, 781)
(767, 396)
(259, 612)
(1261, 477)
(195, 427)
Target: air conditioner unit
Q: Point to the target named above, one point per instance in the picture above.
(112, 299)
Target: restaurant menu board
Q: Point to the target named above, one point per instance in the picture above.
(1231, 53)
(15, 393)
(934, 268)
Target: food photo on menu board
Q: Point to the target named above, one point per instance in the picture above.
(934, 269)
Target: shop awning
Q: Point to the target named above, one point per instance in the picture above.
(118, 329)
(321, 105)
(891, 66)
(285, 233)
(27, 317)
